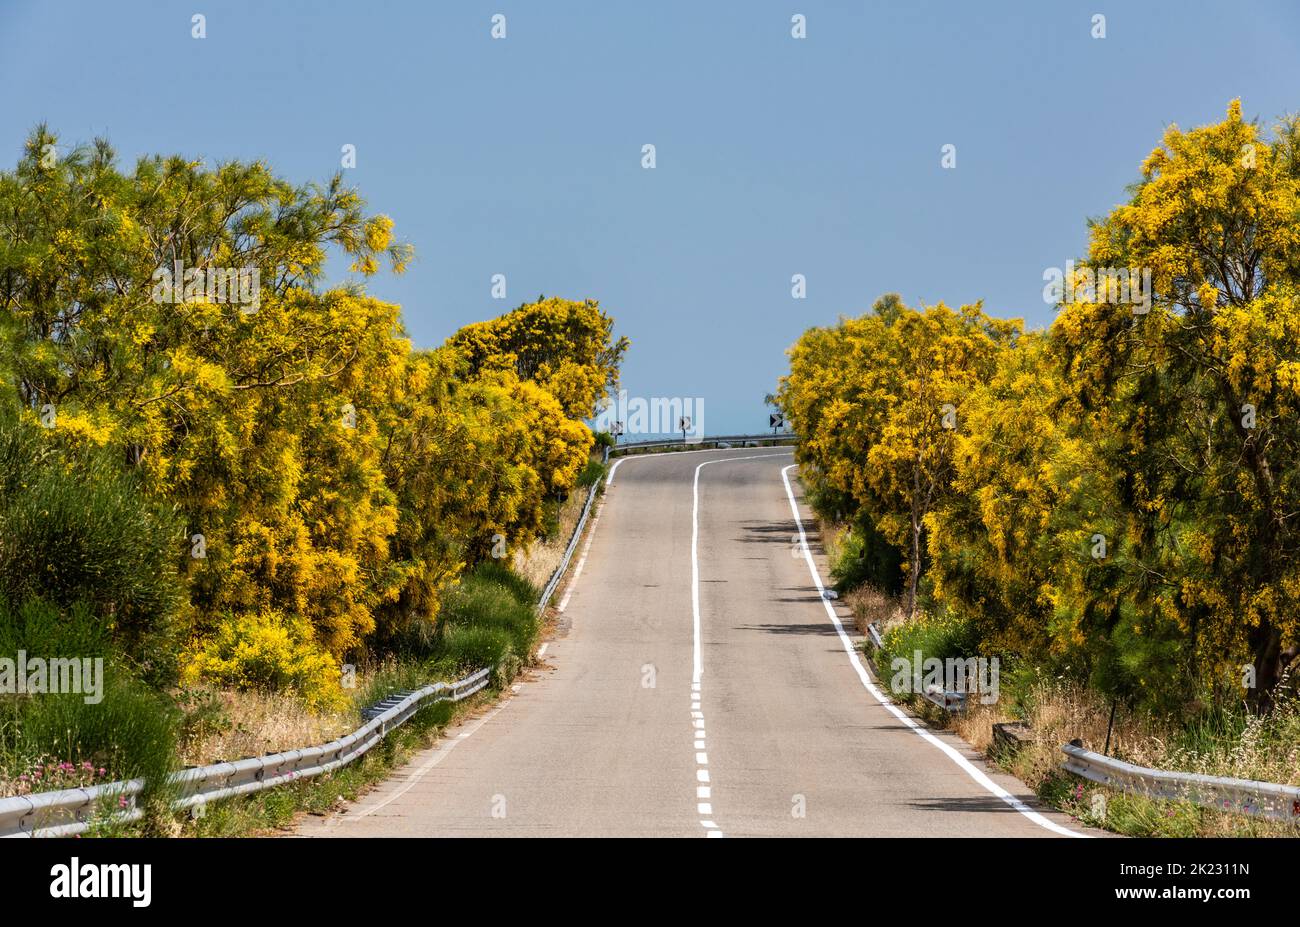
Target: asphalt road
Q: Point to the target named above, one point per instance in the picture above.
(697, 685)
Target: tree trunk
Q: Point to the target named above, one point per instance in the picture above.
(914, 571)
(914, 574)
(1266, 645)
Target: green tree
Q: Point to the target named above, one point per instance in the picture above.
(1203, 393)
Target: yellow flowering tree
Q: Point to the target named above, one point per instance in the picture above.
(564, 346)
(330, 481)
(1202, 390)
(878, 400)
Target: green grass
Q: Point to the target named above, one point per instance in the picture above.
(131, 732)
(489, 620)
(940, 637)
(592, 473)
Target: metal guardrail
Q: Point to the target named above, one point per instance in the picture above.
(704, 442)
(560, 570)
(1241, 796)
(72, 811)
(949, 701)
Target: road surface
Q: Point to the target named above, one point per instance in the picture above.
(697, 685)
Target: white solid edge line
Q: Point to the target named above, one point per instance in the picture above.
(609, 480)
(964, 764)
(438, 756)
(586, 549)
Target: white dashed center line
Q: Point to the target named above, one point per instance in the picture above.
(703, 790)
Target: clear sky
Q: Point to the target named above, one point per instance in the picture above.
(775, 156)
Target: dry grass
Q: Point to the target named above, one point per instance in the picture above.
(869, 605)
(1058, 714)
(540, 560)
(232, 725)
(1268, 750)
(831, 535)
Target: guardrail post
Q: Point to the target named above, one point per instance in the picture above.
(1009, 737)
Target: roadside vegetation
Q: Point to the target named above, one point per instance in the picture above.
(1107, 506)
(239, 485)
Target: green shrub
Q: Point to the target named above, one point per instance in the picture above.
(473, 648)
(131, 733)
(270, 651)
(488, 618)
(1144, 666)
(867, 558)
(418, 639)
(490, 614)
(43, 629)
(940, 636)
(128, 730)
(592, 473)
(75, 529)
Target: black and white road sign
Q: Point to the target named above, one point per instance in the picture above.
(776, 420)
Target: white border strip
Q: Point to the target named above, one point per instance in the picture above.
(964, 764)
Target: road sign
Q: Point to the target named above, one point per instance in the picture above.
(776, 420)
(684, 423)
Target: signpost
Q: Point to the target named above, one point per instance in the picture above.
(684, 423)
(776, 420)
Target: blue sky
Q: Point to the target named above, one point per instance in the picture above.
(775, 156)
